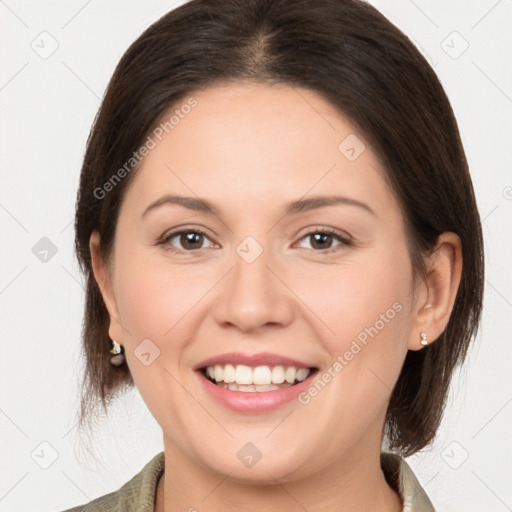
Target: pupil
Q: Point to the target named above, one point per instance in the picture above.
(323, 237)
(191, 238)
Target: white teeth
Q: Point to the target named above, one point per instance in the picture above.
(229, 374)
(278, 375)
(301, 374)
(218, 372)
(266, 387)
(290, 374)
(250, 379)
(262, 375)
(233, 386)
(243, 375)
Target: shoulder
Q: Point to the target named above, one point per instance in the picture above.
(401, 477)
(136, 495)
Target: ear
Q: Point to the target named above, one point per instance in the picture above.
(103, 278)
(436, 297)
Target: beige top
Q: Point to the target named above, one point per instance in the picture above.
(138, 494)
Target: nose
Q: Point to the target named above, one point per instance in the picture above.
(253, 295)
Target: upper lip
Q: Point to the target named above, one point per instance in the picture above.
(253, 360)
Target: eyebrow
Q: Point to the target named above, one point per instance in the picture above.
(313, 202)
(192, 203)
(294, 207)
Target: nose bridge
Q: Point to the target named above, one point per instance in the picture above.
(251, 294)
(250, 273)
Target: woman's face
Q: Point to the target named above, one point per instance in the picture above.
(303, 264)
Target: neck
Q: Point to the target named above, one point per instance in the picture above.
(353, 484)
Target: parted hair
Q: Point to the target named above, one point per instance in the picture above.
(355, 58)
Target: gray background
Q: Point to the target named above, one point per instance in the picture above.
(56, 59)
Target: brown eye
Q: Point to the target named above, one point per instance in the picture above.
(324, 240)
(321, 240)
(191, 240)
(188, 240)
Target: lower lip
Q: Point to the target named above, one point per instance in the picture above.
(254, 401)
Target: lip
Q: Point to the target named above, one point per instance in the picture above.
(253, 402)
(252, 360)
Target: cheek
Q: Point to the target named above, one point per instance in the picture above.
(366, 307)
(361, 301)
(154, 298)
(159, 306)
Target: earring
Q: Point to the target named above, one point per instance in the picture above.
(424, 340)
(118, 350)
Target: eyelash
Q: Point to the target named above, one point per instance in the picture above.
(344, 240)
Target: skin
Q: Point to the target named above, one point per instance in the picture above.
(249, 149)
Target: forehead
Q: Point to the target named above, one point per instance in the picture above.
(251, 145)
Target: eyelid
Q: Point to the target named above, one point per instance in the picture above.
(344, 238)
(164, 239)
(327, 230)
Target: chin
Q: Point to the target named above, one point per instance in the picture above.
(267, 470)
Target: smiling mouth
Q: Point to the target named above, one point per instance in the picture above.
(255, 379)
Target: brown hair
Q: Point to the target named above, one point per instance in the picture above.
(349, 53)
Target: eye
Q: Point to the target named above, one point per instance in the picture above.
(190, 240)
(322, 239)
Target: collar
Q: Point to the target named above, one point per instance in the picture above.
(402, 479)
